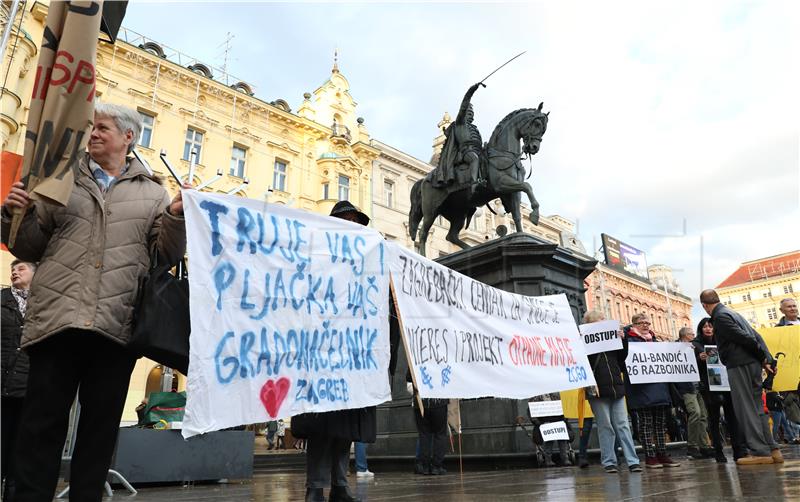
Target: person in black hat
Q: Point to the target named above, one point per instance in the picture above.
(330, 434)
(345, 210)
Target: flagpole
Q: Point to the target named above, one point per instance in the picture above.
(460, 458)
(7, 29)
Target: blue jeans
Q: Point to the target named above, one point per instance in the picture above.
(611, 418)
(789, 430)
(361, 456)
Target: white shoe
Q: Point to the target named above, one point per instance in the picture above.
(365, 474)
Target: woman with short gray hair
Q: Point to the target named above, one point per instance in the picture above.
(93, 254)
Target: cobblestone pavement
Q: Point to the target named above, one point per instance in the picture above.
(703, 480)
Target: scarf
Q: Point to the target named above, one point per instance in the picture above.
(21, 295)
(647, 337)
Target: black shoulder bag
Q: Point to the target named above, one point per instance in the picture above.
(161, 318)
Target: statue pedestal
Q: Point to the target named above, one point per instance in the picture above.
(519, 263)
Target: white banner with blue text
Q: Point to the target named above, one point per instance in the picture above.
(467, 340)
(289, 313)
(661, 362)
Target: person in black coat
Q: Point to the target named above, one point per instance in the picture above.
(715, 400)
(607, 400)
(14, 363)
(432, 432)
(330, 434)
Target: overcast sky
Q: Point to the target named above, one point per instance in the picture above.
(664, 116)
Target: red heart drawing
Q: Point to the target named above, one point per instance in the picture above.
(272, 394)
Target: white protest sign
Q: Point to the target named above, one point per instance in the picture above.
(554, 431)
(545, 408)
(716, 371)
(289, 313)
(661, 362)
(466, 339)
(601, 336)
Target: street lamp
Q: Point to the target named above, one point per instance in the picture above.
(654, 287)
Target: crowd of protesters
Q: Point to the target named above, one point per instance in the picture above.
(89, 259)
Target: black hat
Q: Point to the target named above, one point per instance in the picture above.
(344, 206)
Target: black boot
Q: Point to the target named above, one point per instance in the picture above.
(342, 494)
(421, 468)
(315, 495)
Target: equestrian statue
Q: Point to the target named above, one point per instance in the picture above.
(470, 174)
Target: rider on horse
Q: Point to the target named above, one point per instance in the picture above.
(462, 148)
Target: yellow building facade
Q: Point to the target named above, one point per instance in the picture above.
(756, 288)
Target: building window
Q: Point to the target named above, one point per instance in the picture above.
(746, 297)
(768, 293)
(147, 129)
(787, 289)
(238, 155)
(326, 190)
(344, 187)
(194, 142)
(772, 313)
(279, 176)
(388, 193)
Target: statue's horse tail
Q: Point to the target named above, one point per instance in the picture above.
(415, 213)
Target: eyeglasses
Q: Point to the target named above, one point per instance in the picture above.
(646, 323)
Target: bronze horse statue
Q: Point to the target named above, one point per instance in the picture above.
(500, 165)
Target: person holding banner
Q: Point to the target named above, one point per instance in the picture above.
(714, 400)
(607, 400)
(330, 434)
(92, 255)
(744, 354)
(432, 431)
(651, 402)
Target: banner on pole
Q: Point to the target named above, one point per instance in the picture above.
(554, 431)
(545, 408)
(289, 313)
(661, 362)
(467, 339)
(601, 336)
(62, 105)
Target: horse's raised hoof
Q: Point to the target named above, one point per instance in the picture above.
(534, 217)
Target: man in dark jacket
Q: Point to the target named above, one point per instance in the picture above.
(330, 434)
(714, 400)
(650, 401)
(15, 364)
(608, 405)
(744, 354)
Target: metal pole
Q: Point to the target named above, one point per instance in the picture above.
(210, 181)
(7, 30)
(192, 164)
(603, 294)
(171, 169)
(669, 309)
